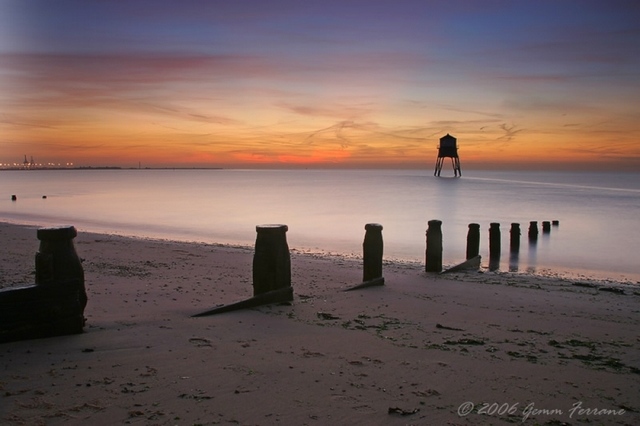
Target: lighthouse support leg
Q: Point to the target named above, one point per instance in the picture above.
(438, 166)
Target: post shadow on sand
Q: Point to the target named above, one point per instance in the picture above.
(55, 305)
(271, 271)
(372, 249)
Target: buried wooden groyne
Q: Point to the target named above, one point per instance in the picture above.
(272, 273)
(272, 268)
(55, 304)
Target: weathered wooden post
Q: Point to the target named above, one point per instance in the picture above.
(533, 231)
(473, 241)
(546, 227)
(434, 246)
(514, 238)
(271, 259)
(494, 246)
(55, 304)
(271, 271)
(494, 240)
(57, 260)
(372, 249)
(555, 223)
(514, 247)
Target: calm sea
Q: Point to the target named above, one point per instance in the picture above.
(326, 210)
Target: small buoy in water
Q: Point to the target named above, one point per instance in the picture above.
(14, 198)
(44, 196)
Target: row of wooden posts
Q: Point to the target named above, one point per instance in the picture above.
(272, 262)
(55, 304)
(434, 241)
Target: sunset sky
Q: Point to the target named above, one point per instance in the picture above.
(332, 83)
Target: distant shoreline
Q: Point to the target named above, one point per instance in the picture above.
(110, 168)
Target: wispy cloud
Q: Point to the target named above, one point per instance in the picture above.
(288, 81)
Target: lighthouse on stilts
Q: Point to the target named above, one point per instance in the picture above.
(448, 148)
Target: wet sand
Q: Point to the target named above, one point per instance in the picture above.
(424, 349)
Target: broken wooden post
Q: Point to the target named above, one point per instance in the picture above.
(533, 231)
(546, 227)
(55, 305)
(434, 246)
(555, 222)
(372, 249)
(514, 238)
(271, 271)
(473, 241)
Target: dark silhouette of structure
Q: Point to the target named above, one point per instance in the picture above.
(54, 306)
(448, 148)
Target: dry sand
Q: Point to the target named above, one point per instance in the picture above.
(419, 350)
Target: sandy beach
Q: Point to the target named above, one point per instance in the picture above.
(424, 349)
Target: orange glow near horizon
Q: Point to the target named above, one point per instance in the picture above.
(115, 147)
(302, 86)
(90, 138)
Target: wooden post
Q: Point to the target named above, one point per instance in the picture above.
(271, 259)
(514, 240)
(57, 260)
(473, 241)
(514, 247)
(546, 227)
(494, 240)
(372, 248)
(494, 246)
(55, 304)
(434, 246)
(533, 231)
(271, 271)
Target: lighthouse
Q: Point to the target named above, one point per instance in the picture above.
(448, 148)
